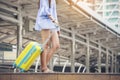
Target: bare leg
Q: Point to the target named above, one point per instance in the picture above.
(44, 35)
(55, 46)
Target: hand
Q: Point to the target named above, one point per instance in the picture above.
(55, 22)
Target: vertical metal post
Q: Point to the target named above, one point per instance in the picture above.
(99, 59)
(37, 64)
(2, 56)
(59, 59)
(19, 32)
(115, 63)
(107, 65)
(112, 65)
(88, 55)
(73, 51)
(51, 64)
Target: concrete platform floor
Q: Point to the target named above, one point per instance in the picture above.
(57, 76)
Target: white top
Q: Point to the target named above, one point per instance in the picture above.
(42, 20)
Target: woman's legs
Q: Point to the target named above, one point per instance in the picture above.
(46, 56)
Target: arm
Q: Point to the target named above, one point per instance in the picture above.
(55, 22)
(49, 16)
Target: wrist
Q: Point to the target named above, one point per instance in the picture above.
(51, 18)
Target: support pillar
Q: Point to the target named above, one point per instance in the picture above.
(51, 64)
(88, 56)
(112, 65)
(99, 59)
(19, 33)
(115, 63)
(73, 52)
(2, 56)
(107, 65)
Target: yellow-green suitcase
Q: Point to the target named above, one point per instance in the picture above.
(28, 56)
